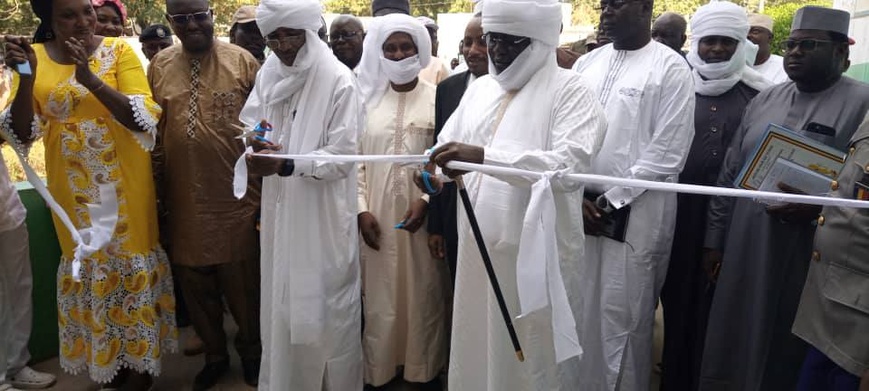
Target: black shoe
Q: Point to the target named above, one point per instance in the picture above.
(250, 369)
(209, 375)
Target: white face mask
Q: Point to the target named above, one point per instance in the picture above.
(402, 71)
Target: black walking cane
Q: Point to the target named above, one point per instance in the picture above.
(493, 279)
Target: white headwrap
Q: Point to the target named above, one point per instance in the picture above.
(539, 20)
(722, 18)
(279, 80)
(295, 14)
(375, 71)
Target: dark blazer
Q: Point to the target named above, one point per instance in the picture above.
(442, 207)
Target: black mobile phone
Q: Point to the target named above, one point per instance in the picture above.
(814, 127)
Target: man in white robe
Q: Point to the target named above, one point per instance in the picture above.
(311, 311)
(647, 92)
(527, 114)
(771, 66)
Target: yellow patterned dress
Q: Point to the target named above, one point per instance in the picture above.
(122, 313)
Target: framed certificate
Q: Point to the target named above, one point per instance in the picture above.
(800, 152)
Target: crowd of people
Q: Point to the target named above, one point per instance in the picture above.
(346, 276)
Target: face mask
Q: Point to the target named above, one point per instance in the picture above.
(403, 71)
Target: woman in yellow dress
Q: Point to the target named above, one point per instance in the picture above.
(88, 97)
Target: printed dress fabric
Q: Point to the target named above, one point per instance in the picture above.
(122, 312)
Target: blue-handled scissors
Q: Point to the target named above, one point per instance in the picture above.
(426, 180)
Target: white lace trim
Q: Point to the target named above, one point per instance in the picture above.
(146, 364)
(23, 148)
(146, 122)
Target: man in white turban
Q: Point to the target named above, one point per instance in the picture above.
(404, 287)
(723, 84)
(647, 91)
(311, 318)
(527, 114)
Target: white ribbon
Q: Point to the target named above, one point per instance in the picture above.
(591, 179)
(540, 284)
(104, 216)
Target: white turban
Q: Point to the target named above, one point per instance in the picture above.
(374, 77)
(278, 81)
(725, 19)
(294, 14)
(537, 19)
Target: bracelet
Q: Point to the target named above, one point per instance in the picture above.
(102, 84)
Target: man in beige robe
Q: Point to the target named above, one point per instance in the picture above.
(404, 287)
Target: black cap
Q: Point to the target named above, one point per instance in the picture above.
(155, 31)
(398, 5)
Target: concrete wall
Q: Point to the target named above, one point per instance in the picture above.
(859, 30)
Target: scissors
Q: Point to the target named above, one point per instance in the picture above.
(260, 130)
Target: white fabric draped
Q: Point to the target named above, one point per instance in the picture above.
(373, 79)
(722, 18)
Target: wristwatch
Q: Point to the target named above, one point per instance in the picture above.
(287, 168)
(603, 204)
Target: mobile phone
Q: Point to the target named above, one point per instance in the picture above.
(817, 128)
(24, 68)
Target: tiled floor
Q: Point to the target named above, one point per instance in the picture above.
(178, 372)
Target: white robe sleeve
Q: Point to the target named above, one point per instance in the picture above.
(664, 157)
(341, 136)
(578, 129)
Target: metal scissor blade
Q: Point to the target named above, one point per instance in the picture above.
(245, 132)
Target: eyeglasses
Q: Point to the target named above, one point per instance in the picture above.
(503, 39)
(806, 45)
(183, 19)
(285, 42)
(613, 5)
(346, 35)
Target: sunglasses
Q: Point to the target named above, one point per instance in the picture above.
(182, 19)
(806, 45)
(503, 39)
(343, 36)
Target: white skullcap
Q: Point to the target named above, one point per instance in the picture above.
(294, 14)
(759, 20)
(372, 78)
(720, 18)
(537, 19)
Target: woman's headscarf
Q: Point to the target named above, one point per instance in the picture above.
(118, 6)
(375, 71)
(725, 19)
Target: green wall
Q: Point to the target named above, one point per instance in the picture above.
(44, 259)
(859, 72)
